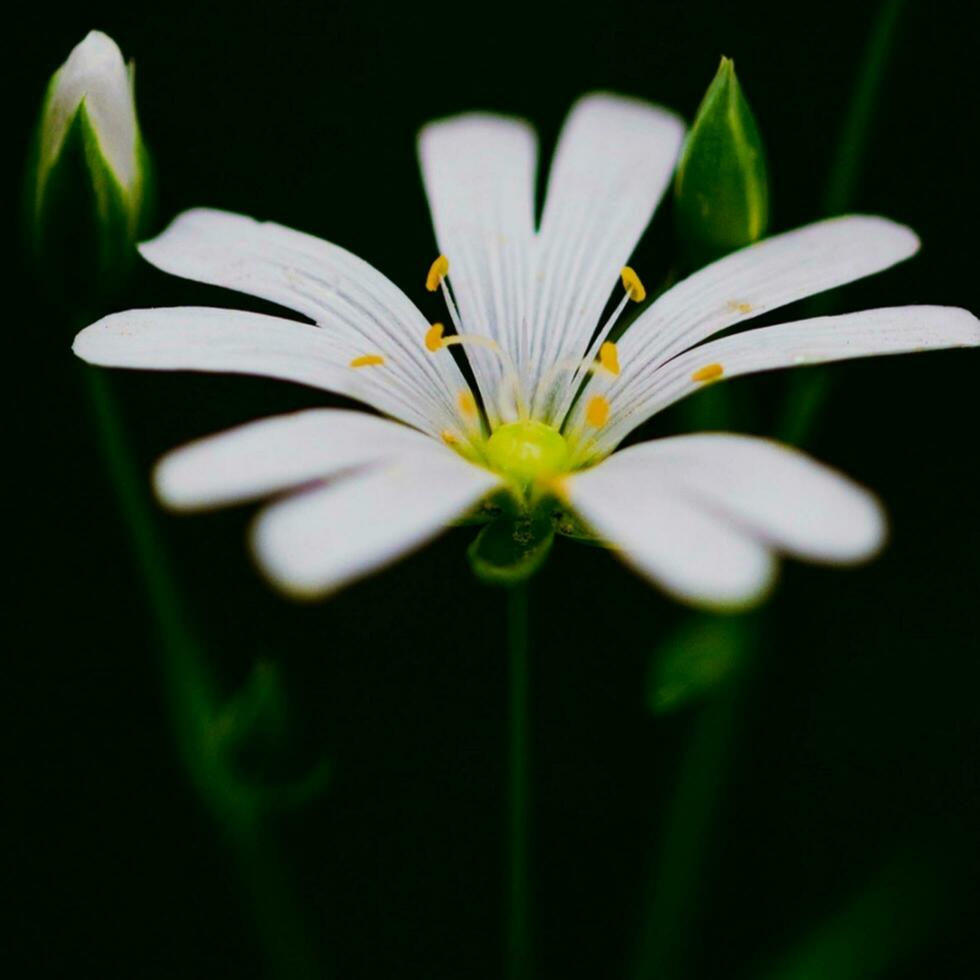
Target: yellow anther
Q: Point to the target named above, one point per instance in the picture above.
(467, 403)
(632, 285)
(367, 360)
(736, 307)
(710, 372)
(609, 357)
(597, 411)
(437, 272)
(433, 337)
(448, 437)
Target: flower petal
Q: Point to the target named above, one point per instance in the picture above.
(230, 341)
(891, 330)
(789, 500)
(479, 172)
(316, 542)
(338, 291)
(612, 165)
(695, 554)
(753, 281)
(275, 454)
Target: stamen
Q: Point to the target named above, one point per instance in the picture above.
(449, 437)
(609, 357)
(437, 272)
(476, 340)
(511, 382)
(632, 285)
(433, 337)
(597, 411)
(710, 372)
(367, 360)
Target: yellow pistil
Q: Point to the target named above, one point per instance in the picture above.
(437, 272)
(609, 357)
(632, 285)
(467, 403)
(710, 372)
(433, 337)
(597, 411)
(367, 360)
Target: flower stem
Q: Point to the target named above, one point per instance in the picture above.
(193, 704)
(518, 930)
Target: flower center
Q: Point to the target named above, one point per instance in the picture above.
(527, 450)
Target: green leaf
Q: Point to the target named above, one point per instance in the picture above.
(512, 548)
(721, 191)
(701, 654)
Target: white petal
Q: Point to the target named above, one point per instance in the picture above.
(696, 555)
(315, 542)
(891, 330)
(275, 454)
(96, 72)
(611, 167)
(234, 342)
(793, 503)
(479, 173)
(752, 281)
(345, 295)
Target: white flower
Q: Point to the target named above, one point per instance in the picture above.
(700, 515)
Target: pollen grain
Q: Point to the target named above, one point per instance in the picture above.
(467, 404)
(738, 307)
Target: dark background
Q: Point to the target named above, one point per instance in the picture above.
(856, 749)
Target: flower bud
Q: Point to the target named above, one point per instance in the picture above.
(87, 180)
(721, 193)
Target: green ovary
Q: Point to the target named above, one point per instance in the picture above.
(527, 451)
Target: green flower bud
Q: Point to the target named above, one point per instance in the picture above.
(87, 179)
(721, 192)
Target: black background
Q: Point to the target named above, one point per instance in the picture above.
(858, 743)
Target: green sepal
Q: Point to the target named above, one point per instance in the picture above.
(510, 549)
(702, 654)
(568, 525)
(721, 190)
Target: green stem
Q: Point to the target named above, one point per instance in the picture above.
(809, 390)
(518, 921)
(192, 703)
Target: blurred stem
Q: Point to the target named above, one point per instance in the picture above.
(669, 906)
(518, 927)
(808, 391)
(192, 703)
